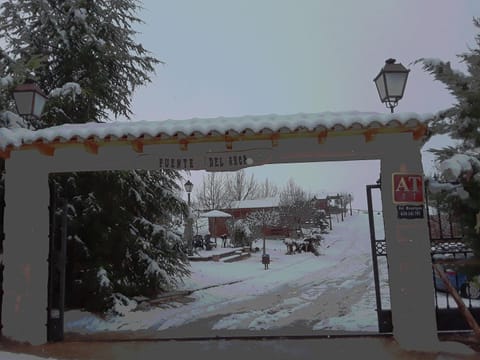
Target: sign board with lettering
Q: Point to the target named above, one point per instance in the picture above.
(407, 188)
(236, 160)
(410, 211)
(178, 163)
(223, 161)
(217, 161)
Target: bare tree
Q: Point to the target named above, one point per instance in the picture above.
(210, 194)
(219, 190)
(260, 219)
(342, 201)
(238, 186)
(296, 207)
(267, 189)
(347, 199)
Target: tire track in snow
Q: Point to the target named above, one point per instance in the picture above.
(333, 294)
(310, 303)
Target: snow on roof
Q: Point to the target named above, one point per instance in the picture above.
(215, 214)
(198, 128)
(256, 203)
(320, 195)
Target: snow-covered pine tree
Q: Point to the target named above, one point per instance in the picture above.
(89, 43)
(241, 233)
(84, 55)
(126, 227)
(460, 164)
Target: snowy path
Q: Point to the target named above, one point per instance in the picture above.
(332, 291)
(340, 279)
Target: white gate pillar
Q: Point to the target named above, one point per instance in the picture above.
(408, 254)
(25, 249)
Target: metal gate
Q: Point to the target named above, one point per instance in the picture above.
(379, 252)
(56, 266)
(452, 252)
(447, 247)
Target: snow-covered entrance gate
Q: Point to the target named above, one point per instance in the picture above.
(222, 144)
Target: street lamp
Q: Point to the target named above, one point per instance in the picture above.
(391, 83)
(188, 188)
(29, 100)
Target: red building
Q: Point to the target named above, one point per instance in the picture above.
(320, 204)
(241, 209)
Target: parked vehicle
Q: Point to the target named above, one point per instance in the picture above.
(466, 288)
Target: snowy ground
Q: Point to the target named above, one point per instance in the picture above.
(333, 291)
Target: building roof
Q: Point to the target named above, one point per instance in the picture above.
(269, 202)
(226, 129)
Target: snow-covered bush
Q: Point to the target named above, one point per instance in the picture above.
(70, 89)
(121, 305)
(242, 234)
(97, 296)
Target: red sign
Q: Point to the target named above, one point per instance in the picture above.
(407, 188)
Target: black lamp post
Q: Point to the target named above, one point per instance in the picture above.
(188, 188)
(350, 201)
(391, 82)
(29, 100)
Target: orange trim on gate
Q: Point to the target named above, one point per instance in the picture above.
(370, 134)
(275, 137)
(137, 146)
(229, 142)
(5, 154)
(322, 135)
(183, 144)
(419, 132)
(91, 146)
(45, 149)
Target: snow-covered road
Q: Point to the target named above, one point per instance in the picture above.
(333, 291)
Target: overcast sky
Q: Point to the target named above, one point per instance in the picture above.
(253, 57)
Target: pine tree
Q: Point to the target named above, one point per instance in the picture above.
(460, 164)
(121, 236)
(133, 243)
(89, 43)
